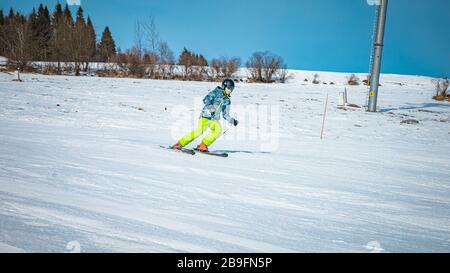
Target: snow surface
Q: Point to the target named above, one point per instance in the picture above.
(3, 61)
(89, 175)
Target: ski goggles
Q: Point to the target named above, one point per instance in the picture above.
(230, 87)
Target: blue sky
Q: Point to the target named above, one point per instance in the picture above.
(326, 35)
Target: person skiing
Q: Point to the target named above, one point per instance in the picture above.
(217, 102)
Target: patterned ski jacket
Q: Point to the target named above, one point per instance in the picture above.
(217, 103)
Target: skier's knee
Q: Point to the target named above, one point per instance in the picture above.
(217, 129)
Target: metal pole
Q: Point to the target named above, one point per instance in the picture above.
(377, 54)
(324, 116)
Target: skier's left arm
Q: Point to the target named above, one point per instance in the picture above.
(227, 117)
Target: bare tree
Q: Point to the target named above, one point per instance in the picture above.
(231, 66)
(225, 67)
(156, 54)
(255, 66)
(316, 79)
(147, 57)
(150, 61)
(139, 38)
(17, 38)
(353, 80)
(271, 64)
(216, 67)
(442, 88)
(151, 35)
(283, 74)
(264, 65)
(134, 63)
(146, 36)
(166, 60)
(367, 80)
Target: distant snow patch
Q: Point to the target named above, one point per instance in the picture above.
(3, 60)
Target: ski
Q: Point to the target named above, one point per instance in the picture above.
(193, 152)
(212, 153)
(183, 150)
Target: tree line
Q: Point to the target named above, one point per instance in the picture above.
(67, 44)
(53, 37)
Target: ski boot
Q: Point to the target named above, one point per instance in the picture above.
(177, 146)
(202, 148)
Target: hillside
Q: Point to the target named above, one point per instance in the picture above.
(81, 168)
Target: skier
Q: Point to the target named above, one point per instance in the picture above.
(216, 102)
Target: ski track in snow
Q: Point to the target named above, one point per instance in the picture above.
(90, 173)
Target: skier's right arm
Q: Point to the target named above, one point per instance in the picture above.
(209, 103)
(209, 99)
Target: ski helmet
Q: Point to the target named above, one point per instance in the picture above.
(228, 83)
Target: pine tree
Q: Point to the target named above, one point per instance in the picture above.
(6, 32)
(2, 32)
(57, 14)
(33, 18)
(46, 12)
(197, 59)
(185, 58)
(79, 46)
(58, 36)
(16, 37)
(11, 15)
(21, 18)
(33, 23)
(2, 18)
(80, 15)
(42, 31)
(92, 39)
(107, 46)
(52, 37)
(68, 14)
(62, 40)
(202, 61)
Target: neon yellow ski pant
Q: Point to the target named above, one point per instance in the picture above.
(203, 125)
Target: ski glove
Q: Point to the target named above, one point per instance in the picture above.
(212, 110)
(235, 122)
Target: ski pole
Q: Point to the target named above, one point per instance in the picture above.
(228, 128)
(324, 116)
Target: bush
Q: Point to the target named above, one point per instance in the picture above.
(225, 67)
(353, 80)
(263, 66)
(283, 74)
(440, 97)
(367, 81)
(134, 63)
(442, 88)
(316, 79)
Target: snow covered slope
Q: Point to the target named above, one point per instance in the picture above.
(81, 169)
